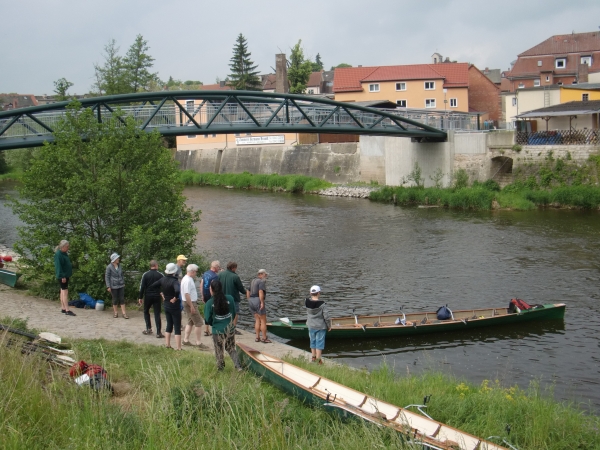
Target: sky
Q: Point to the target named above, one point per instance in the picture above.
(44, 40)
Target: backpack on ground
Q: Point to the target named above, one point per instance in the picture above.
(444, 313)
(517, 305)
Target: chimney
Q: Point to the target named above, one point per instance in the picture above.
(582, 73)
(282, 85)
(221, 83)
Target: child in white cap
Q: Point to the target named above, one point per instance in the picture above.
(318, 323)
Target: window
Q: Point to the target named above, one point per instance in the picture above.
(311, 91)
(540, 63)
(585, 97)
(237, 134)
(248, 134)
(430, 103)
(453, 102)
(429, 85)
(400, 86)
(214, 135)
(547, 77)
(401, 103)
(521, 85)
(536, 82)
(514, 101)
(191, 136)
(561, 63)
(374, 87)
(189, 105)
(586, 60)
(206, 135)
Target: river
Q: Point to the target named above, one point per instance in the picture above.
(376, 258)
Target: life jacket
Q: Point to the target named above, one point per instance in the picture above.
(517, 305)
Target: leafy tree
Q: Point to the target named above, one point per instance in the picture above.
(3, 164)
(317, 66)
(341, 66)
(178, 85)
(106, 187)
(243, 75)
(137, 64)
(61, 86)
(111, 77)
(299, 70)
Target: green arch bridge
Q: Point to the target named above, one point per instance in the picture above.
(178, 113)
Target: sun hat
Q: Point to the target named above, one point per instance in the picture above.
(315, 289)
(114, 257)
(181, 257)
(263, 271)
(171, 268)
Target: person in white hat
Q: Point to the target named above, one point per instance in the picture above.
(115, 284)
(318, 323)
(256, 302)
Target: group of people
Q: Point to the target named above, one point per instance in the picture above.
(220, 290)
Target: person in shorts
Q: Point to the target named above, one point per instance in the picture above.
(318, 323)
(189, 295)
(256, 302)
(63, 270)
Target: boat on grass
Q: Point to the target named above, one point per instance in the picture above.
(401, 324)
(346, 402)
(8, 277)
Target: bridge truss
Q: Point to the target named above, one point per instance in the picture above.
(178, 113)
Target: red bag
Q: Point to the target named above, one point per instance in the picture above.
(516, 305)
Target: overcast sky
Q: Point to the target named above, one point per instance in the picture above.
(44, 40)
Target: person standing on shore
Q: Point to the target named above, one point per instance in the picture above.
(207, 277)
(318, 323)
(219, 312)
(181, 262)
(170, 290)
(232, 285)
(258, 293)
(63, 270)
(115, 284)
(150, 298)
(189, 294)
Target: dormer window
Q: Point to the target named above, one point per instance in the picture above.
(521, 85)
(561, 63)
(586, 60)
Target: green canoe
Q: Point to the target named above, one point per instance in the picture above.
(338, 399)
(9, 278)
(385, 325)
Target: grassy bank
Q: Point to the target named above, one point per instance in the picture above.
(481, 197)
(273, 182)
(167, 399)
(11, 175)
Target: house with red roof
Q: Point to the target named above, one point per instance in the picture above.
(444, 86)
(559, 60)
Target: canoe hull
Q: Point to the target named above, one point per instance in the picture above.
(9, 278)
(299, 330)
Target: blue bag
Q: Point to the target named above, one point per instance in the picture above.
(87, 299)
(443, 313)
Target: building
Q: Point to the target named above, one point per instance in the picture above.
(562, 59)
(14, 101)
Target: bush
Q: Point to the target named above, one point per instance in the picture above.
(461, 179)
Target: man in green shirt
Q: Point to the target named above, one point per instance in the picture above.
(232, 285)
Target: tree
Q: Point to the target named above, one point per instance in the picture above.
(243, 75)
(3, 165)
(341, 66)
(110, 77)
(317, 66)
(137, 64)
(105, 187)
(299, 70)
(61, 86)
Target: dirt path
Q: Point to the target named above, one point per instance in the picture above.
(45, 315)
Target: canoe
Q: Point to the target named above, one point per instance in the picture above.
(385, 325)
(346, 402)
(9, 278)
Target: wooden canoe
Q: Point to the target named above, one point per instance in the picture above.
(345, 402)
(9, 278)
(384, 325)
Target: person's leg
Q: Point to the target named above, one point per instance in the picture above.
(177, 326)
(313, 344)
(156, 305)
(257, 326)
(218, 343)
(189, 324)
(263, 325)
(121, 294)
(148, 302)
(320, 344)
(198, 330)
(230, 348)
(169, 328)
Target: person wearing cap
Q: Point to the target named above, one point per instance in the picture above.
(189, 294)
(115, 284)
(232, 285)
(318, 323)
(256, 302)
(170, 290)
(181, 262)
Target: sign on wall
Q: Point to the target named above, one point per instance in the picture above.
(260, 140)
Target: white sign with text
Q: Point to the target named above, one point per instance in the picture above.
(254, 140)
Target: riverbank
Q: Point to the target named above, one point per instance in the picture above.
(166, 398)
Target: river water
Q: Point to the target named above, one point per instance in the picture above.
(377, 258)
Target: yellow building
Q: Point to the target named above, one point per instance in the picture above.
(580, 92)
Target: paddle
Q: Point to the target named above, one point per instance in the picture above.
(45, 336)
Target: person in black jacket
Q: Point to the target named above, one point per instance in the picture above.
(170, 290)
(150, 298)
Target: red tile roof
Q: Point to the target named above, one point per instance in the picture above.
(351, 78)
(314, 80)
(527, 66)
(214, 87)
(566, 43)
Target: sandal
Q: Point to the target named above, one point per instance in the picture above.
(314, 359)
(267, 341)
(125, 316)
(206, 333)
(116, 315)
(257, 340)
(148, 331)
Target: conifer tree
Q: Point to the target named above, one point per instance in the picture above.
(243, 75)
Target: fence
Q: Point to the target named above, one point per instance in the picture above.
(558, 137)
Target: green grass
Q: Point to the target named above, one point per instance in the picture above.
(12, 175)
(273, 182)
(167, 399)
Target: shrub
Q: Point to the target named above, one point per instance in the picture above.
(461, 179)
